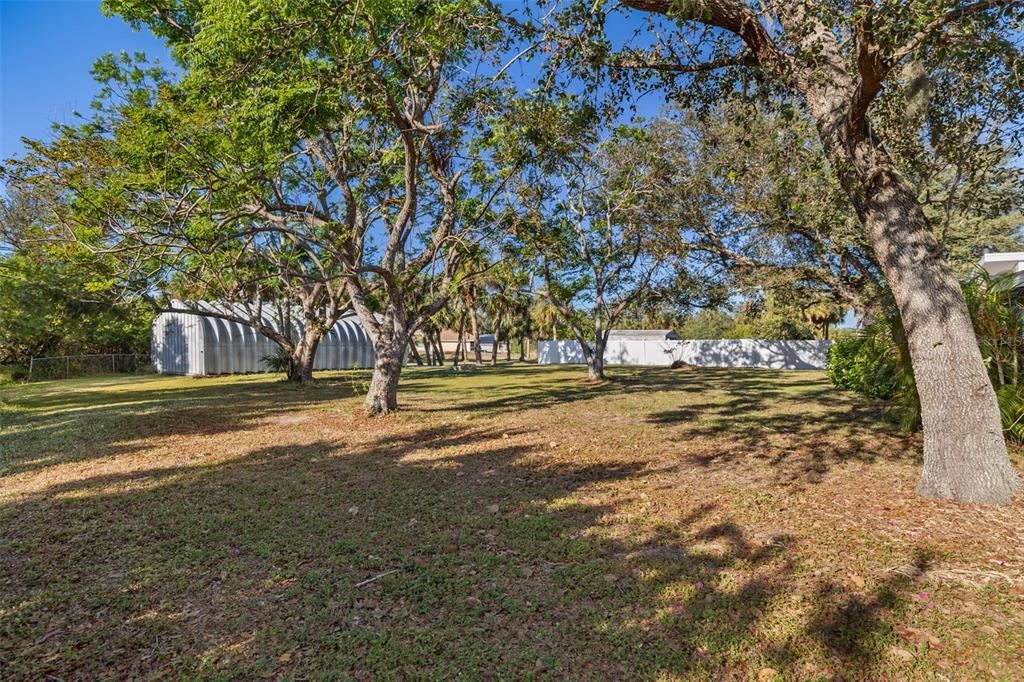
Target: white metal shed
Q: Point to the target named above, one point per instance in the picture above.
(195, 344)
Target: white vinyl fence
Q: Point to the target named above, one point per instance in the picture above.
(703, 353)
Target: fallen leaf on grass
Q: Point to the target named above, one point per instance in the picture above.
(900, 654)
(920, 635)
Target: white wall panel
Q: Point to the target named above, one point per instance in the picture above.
(703, 353)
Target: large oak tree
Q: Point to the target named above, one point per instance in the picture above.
(836, 60)
(383, 101)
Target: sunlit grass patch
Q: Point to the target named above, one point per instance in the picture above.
(508, 522)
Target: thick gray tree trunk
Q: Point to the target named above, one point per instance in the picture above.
(965, 456)
(595, 358)
(302, 356)
(382, 397)
(964, 451)
(595, 367)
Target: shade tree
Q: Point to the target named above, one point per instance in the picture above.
(835, 61)
(583, 214)
(383, 101)
(167, 187)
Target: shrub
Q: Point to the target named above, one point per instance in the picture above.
(1011, 410)
(278, 361)
(10, 374)
(861, 364)
(875, 363)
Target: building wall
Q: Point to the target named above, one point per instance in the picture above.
(703, 353)
(192, 344)
(176, 346)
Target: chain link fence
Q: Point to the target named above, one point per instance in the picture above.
(67, 366)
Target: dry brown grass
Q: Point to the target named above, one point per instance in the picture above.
(663, 525)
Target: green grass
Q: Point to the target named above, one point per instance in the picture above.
(526, 524)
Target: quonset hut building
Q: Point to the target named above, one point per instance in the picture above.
(195, 344)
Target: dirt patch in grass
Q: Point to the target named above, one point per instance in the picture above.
(512, 522)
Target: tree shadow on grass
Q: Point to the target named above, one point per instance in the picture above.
(487, 559)
(111, 422)
(537, 387)
(115, 418)
(798, 430)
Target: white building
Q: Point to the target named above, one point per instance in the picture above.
(195, 344)
(997, 264)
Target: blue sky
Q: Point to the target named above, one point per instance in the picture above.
(47, 48)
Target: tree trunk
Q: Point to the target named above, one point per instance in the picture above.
(964, 452)
(415, 353)
(428, 352)
(595, 363)
(438, 348)
(459, 345)
(382, 398)
(494, 347)
(475, 329)
(595, 359)
(965, 455)
(300, 361)
(522, 349)
(508, 351)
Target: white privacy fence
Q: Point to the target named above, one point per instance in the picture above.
(703, 353)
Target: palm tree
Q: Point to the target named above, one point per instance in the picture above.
(822, 314)
(545, 316)
(505, 304)
(996, 305)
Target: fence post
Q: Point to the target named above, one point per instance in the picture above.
(31, 361)
(112, 369)
(67, 367)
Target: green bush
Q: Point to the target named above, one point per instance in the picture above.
(1011, 409)
(10, 374)
(860, 364)
(875, 363)
(278, 361)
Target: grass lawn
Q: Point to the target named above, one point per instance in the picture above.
(520, 522)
